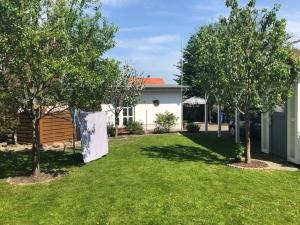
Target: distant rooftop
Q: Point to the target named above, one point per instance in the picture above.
(153, 80)
(171, 86)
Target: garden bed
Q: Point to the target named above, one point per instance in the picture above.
(255, 164)
(31, 180)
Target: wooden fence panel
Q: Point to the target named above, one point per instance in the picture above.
(53, 128)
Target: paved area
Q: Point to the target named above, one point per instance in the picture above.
(276, 163)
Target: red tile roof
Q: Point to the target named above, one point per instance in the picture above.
(148, 81)
(153, 81)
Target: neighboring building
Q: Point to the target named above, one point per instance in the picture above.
(281, 129)
(157, 97)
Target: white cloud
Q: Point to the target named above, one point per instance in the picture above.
(162, 39)
(117, 3)
(156, 65)
(210, 6)
(293, 25)
(154, 55)
(152, 43)
(132, 29)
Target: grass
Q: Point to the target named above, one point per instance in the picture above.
(159, 179)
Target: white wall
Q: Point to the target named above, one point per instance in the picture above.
(145, 112)
(293, 126)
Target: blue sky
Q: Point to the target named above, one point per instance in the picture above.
(151, 31)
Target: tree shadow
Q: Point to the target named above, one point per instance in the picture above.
(209, 149)
(19, 163)
(183, 153)
(223, 145)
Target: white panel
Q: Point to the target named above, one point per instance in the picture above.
(293, 127)
(265, 132)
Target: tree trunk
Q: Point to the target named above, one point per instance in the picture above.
(247, 137)
(206, 117)
(36, 143)
(206, 113)
(74, 138)
(116, 123)
(219, 120)
(237, 127)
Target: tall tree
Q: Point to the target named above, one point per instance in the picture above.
(247, 58)
(260, 68)
(50, 48)
(125, 91)
(202, 66)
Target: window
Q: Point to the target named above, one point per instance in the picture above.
(127, 115)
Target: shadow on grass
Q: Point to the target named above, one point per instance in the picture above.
(20, 163)
(208, 149)
(183, 153)
(224, 145)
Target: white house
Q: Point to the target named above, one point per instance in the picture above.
(157, 97)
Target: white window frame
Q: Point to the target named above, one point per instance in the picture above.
(127, 117)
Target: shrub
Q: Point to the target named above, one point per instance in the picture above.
(165, 120)
(159, 130)
(239, 152)
(193, 128)
(111, 130)
(135, 128)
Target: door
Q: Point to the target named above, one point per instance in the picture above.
(279, 132)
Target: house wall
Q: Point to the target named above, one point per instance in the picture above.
(293, 128)
(145, 112)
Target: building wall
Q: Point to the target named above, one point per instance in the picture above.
(293, 129)
(145, 112)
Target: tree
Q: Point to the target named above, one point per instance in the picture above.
(247, 58)
(8, 115)
(259, 62)
(194, 64)
(50, 49)
(125, 91)
(202, 66)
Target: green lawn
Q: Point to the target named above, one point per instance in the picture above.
(161, 179)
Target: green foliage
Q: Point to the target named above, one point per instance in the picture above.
(51, 55)
(165, 120)
(193, 128)
(239, 152)
(135, 128)
(159, 130)
(8, 114)
(111, 130)
(125, 90)
(246, 59)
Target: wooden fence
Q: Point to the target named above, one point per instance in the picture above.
(53, 128)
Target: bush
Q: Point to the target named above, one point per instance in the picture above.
(239, 152)
(159, 130)
(193, 128)
(165, 120)
(135, 128)
(111, 130)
